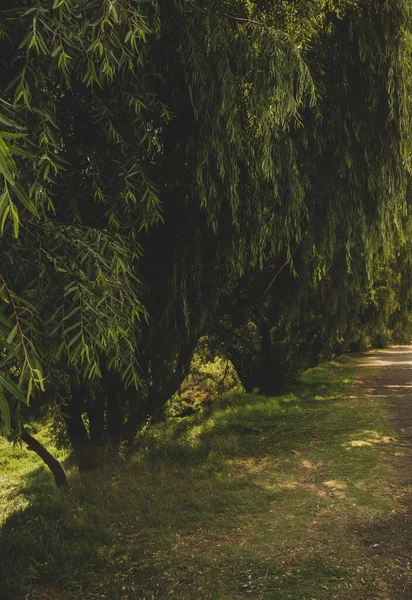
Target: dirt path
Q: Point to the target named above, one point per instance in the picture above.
(391, 381)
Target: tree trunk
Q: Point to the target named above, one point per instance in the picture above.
(244, 369)
(274, 372)
(53, 464)
(115, 393)
(82, 448)
(137, 417)
(156, 398)
(266, 366)
(95, 412)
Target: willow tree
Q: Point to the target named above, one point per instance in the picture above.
(142, 147)
(154, 152)
(71, 184)
(354, 156)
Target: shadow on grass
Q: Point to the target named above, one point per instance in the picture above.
(389, 542)
(145, 526)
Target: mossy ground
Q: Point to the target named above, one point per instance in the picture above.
(253, 497)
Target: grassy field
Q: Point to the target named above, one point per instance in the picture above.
(269, 498)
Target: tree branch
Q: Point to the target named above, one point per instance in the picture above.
(240, 19)
(17, 319)
(285, 264)
(232, 17)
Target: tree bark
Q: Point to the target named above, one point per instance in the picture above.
(53, 464)
(244, 369)
(266, 366)
(156, 398)
(95, 412)
(82, 448)
(274, 373)
(115, 393)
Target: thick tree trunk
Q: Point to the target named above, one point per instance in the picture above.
(157, 398)
(95, 412)
(244, 369)
(53, 464)
(274, 373)
(82, 448)
(115, 392)
(316, 350)
(136, 419)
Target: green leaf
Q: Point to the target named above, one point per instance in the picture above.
(7, 165)
(15, 217)
(6, 121)
(25, 200)
(5, 297)
(39, 379)
(12, 136)
(12, 388)
(4, 201)
(5, 415)
(3, 220)
(29, 390)
(12, 335)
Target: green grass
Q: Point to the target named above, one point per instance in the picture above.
(271, 498)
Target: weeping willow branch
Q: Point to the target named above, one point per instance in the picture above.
(285, 264)
(232, 17)
(17, 319)
(240, 19)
